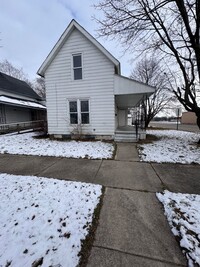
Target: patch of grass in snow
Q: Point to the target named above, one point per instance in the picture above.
(197, 145)
(8, 263)
(157, 128)
(150, 138)
(171, 146)
(32, 144)
(41, 136)
(86, 244)
(183, 215)
(114, 151)
(44, 220)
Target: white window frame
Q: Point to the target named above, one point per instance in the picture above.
(73, 100)
(82, 112)
(79, 110)
(73, 68)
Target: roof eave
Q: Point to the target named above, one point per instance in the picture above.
(41, 107)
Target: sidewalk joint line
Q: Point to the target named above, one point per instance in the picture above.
(56, 161)
(122, 160)
(98, 169)
(162, 183)
(130, 189)
(138, 255)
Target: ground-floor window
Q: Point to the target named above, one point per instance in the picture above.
(79, 111)
(73, 112)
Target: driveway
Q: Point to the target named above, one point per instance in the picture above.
(132, 229)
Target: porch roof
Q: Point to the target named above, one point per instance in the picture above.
(128, 92)
(19, 102)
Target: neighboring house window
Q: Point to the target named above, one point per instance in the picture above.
(77, 66)
(79, 111)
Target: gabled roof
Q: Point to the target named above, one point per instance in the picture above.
(12, 85)
(75, 25)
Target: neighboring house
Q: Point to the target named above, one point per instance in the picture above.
(189, 118)
(18, 101)
(85, 92)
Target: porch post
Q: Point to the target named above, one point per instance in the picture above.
(142, 116)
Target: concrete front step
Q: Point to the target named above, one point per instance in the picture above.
(125, 140)
(126, 132)
(128, 137)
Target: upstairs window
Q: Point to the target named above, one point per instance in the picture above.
(77, 67)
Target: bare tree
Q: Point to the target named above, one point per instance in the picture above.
(150, 71)
(39, 87)
(171, 28)
(18, 73)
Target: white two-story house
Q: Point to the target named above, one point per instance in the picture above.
(85, 92)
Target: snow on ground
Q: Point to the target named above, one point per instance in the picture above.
(174, 147)
(27, 145)
(44, 219)
(183, 214)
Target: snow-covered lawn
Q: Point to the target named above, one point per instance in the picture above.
(183, 215)
(173, 146)
(27, 145)
(44, 220)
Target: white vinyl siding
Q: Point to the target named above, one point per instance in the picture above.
(98, 84)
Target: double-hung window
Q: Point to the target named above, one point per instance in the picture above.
(73, 112)
(84, 110)
(79, 111)
(77, 67)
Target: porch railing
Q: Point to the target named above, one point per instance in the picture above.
(21, 126)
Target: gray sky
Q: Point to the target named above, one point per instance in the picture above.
(30, 28)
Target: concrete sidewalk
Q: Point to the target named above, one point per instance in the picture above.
(132, 230)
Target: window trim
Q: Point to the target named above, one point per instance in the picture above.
(74, 68)
(78, 100)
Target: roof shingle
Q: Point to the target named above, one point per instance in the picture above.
(16, 86)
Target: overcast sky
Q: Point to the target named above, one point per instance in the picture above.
(30, 28)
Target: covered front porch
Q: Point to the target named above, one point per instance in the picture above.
(129, 117)
(132, 131)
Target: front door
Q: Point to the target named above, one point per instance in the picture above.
(122, 117)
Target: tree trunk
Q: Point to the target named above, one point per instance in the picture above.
(147, 121)
(198, 123)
